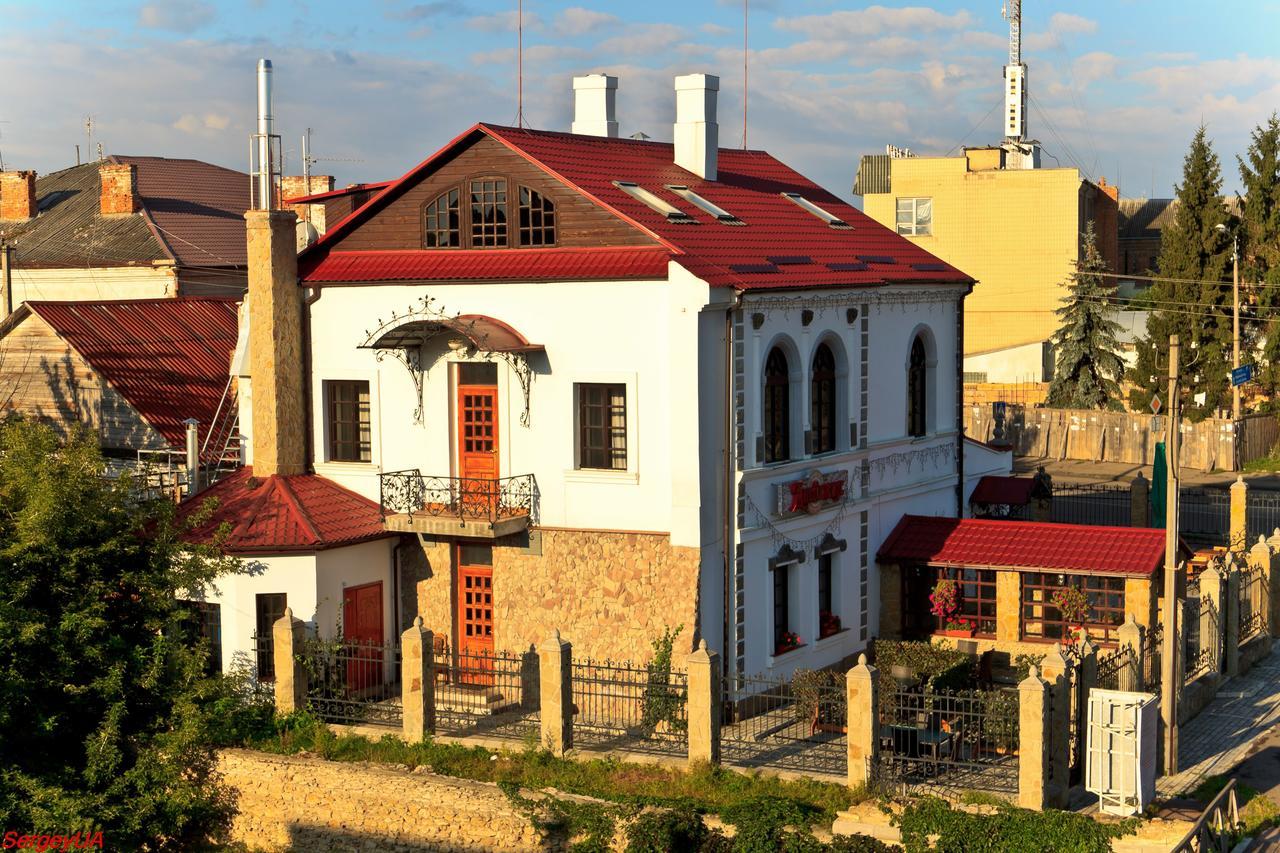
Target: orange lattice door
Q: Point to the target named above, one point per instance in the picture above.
(475, 614)
(478, 447)
(362, 633)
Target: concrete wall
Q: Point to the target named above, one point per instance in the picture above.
(78, 285)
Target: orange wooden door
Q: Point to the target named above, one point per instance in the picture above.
(475, 618)
(478, 447)
(362, 633)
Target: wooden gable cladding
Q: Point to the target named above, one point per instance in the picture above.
(580, 222)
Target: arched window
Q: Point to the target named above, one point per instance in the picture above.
(442, 230)
(777, 407)
(537, 219)
(822, 400)
(917, 388)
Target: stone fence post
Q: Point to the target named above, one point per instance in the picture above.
(1231, 624)
(1130, 636)
(287, 635)
(862, 704)
(1264, 560)
(1239, 531)
(1140, 502)
(1033, 748)
(555, 665)
(1054, 669)
(1212, 615)
(705, 689)
(418, 682)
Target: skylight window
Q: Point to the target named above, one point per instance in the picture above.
(670, 211)
(829, 218)
(702, 204)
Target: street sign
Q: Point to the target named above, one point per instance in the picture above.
(1155, 404)
(1242, 374)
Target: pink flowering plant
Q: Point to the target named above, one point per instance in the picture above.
(1073, 604)
(945, 601)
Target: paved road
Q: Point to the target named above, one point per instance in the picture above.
(1077, 471)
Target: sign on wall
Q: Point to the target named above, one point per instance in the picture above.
(813, 492)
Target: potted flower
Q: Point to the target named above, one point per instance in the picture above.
(1073, 604)
(945, 604)
(788, 642)
(828, 624)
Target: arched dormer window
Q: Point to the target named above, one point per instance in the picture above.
(917, 388)
(537, 219)
(442, 226)
(777, 407)
(822, 400)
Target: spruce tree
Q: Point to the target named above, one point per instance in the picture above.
(1260, 243)
(1196, 303)
(1088, 365)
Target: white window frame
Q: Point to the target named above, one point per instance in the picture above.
(616, 475)
(913, 227)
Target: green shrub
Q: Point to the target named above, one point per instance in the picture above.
(662, 701)
(1022, 665)
(666, 829)
(761, 822)
(932, 825)
(858, 844)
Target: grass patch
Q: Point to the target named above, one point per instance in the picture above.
(930, 825)
(705, 789)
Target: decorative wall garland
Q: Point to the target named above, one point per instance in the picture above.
(779, 538)
(851, 299)
(937, 454)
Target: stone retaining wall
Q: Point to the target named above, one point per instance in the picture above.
(303, 803)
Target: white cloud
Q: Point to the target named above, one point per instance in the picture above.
(504, 22)
(577, 21)
(181, 16)
(874, 21)
(1061, 26)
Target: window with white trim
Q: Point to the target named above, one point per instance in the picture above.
(915, 216)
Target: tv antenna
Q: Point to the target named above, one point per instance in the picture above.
(520, 63)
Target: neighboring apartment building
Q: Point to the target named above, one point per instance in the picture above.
(124, 228)
(598, 385)
(1012, 225)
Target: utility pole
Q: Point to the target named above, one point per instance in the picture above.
(1235, 323)
(1169, 649)
(6, 279)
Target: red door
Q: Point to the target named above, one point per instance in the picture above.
(475, 614)
(478, 448)
(362, 633)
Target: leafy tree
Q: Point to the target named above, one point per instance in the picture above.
(1088, 364)
(102, 725)
(1260, 239)
(1196, 304)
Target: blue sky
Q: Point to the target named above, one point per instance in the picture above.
(1118, 87)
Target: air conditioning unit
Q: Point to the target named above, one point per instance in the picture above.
(1120, 764)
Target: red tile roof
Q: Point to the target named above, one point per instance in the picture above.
(749, 185)
(1013, 491)
(990, 543)
(490, 265)
(168, 358)
(276, 514)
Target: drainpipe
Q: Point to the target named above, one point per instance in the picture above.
(960, 405)
(308, 416)
(193, 456)
(730, 497)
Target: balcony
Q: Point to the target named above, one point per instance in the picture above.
(457, 506)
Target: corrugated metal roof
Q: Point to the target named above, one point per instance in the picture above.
(168, 358)
(989, 543)
(197, 210)
(874, 175)
(488, 265)
(305, 512)
(749, 186)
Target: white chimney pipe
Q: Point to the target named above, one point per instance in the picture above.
(697, 136)
(594, 105)
(266, 121)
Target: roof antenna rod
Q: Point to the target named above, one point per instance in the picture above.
(519, 63)
(745, 54)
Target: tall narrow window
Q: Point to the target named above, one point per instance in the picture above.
(822, 400)
(537, 219)
(602, 426)
(270, 607)
(917, 389)
(777, 407)
(442, 228)
(488, 213)
(204, 620)
(828, 621)
(350, 438)
(783, 638)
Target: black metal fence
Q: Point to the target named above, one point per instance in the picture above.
(1252, 600)
(795, 723)
(1152, 654)
(1112, 664)
(354, 682)
(640, 708)
(494, 693)
(473, 498)
(1092, 503)
(1201, 631)
(952, 740)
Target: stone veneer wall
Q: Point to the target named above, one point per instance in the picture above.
(299, 803)
(609, 593)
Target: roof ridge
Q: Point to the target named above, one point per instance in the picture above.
(295, 504)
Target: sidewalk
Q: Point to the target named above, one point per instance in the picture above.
(1245, 711)
(1078, 471)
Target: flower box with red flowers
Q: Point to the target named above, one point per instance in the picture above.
(789, 642)
(959, 628)
(828, 624)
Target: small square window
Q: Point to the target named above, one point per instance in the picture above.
(915, 216)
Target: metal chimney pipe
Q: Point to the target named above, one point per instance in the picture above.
(266, 120)
(193, 455)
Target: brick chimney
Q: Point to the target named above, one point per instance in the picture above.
(296, 186)
(119, 189)
(17, 195)
(697, 135)
(275, 344)
(594, 105)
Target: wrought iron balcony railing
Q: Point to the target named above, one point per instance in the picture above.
(414, 495)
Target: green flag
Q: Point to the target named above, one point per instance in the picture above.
(1159, 486)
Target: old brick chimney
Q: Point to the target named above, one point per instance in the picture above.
(119, 189)
(296, 186)
(17, 195)
(275, 344)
